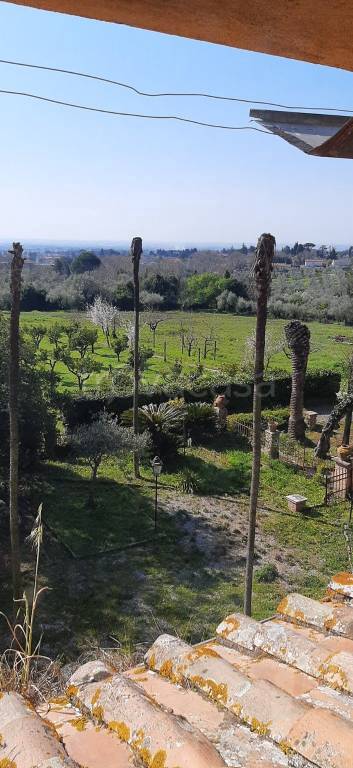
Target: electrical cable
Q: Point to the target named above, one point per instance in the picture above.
(176, 94)
(179, 118)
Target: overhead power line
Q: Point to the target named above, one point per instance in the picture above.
(87, 108)
(203, 95)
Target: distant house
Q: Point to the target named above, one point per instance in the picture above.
(343, 263)
(315, 263)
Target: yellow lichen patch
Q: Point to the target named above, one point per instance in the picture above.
(95, 696)
(168, 671)
(1, 695)
(122, 730)
(232, 625)
(6, 763)
(285, 747)
(98, 712)
(138, 670)
(201, 651)
(1, 740)
(60, 701)
(159, 759)
(152, 661)
(71, 691)
(299, 616)
(145, 756)
(330, 623)
(283, 606)
(263, 729)
(345, 579)
(218, 692)
(335, 675)
(79, 723)
(237, 709)
(138, 739)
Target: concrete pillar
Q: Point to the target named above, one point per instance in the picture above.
(271, 447)
(311, 419)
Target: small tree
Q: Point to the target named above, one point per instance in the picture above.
(120, 343)
(298, 340)
(81, 367)
(82, 340)
(104, 437)
(103, 314)
(153, 321)
(36, 334)
(273, 346)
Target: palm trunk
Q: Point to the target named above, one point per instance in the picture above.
(262, 275)
(296, 423)
(16, 271)
(136, 251)
(298, 339)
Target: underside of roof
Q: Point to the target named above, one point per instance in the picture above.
(319, 31)
(314, 134)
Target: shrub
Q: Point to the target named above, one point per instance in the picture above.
(200, 421)
(281, 415)
(267, 573)
(188, 481)
(164, 422)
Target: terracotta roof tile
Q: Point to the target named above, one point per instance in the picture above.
(267, 694)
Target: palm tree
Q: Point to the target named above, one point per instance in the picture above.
(298, 340)
(136, 251)
(16, 272)
(262, 278)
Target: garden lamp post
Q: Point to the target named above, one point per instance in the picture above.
(157, 466)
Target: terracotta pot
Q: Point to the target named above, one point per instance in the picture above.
(345, 452)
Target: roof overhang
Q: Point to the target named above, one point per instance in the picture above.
(314, 134)
(319, 31)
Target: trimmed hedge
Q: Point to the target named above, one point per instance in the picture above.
(281, 415)
(80, 409)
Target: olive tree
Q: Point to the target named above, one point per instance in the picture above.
(104, 437)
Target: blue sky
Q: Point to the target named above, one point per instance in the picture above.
(73, 175)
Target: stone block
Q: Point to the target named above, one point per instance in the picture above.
(296, 502)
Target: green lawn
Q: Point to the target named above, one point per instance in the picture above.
(230, 331)
(169, 584)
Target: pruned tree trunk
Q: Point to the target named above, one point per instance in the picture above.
(338, 412)
(262, 277)
(298, 340)
(14, 375)
(136, 251)
(347, 427)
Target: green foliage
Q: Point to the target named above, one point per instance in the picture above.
(188, 481)
(81, 367)
(280, 415)
(201, 290)
(267, 573)
(119, 344)
(145, 353)
(200, 421)
(36, 412)
(164, 424)
(104, 437)
(86, 261)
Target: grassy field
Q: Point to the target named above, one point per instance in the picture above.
(230, 332)
(176, 582)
